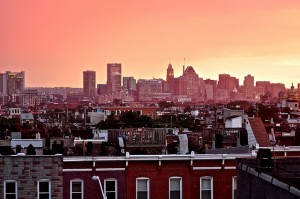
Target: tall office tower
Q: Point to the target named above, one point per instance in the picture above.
(180, 87)
(101, 89)
(265, 84)
(192, 79)
(12, 82)
(223, 81)
(114, 73)
(2, 76)
(228, 82)
(129, 83)
(249, 86)
(233, 84)
(89, 84)
(276, 88)
(212, 85)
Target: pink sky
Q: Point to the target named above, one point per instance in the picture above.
(54, 41)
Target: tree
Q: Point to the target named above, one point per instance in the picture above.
(268, 112)
(109, 123)
(145, 121)
(164, 104)
(129, 118)
(265, 112)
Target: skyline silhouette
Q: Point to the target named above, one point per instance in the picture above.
(55, 41)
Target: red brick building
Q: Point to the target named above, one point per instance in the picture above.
(127, 177)
(78, 172)
(149, 176)
(158, 176)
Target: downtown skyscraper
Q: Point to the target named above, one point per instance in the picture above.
(89, 84)
(12, 82)
(114, 75)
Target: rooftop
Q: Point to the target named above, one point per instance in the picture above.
(260, 132)
(285, 174)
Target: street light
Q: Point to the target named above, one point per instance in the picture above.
(97, 178)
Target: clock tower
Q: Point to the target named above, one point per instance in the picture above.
(170, 73)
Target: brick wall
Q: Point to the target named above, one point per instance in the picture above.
(27, 170)
(84, 170)
(159, 177)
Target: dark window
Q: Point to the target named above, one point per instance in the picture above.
(76, 190)
(10, 190)
(44, 190)
(110, 189)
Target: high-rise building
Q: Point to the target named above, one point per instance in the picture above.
(180, 87)
(12, 82)
(89, 84)
(192, 80)
(249, 86)
(189, 86)
(276, 88)
(233, 84)
(147, 89)
(129, 83)
(228, 82)
(223, 81)
(212, 84)
(114, 73)
(265, 84)
(102, 89)
(1, 82)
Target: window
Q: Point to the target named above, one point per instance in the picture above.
(206, 187)
(110, 188)
(234, 187)
(175, 188)
(10, 190)
(44, 187)
(142, 188)
(76, 189)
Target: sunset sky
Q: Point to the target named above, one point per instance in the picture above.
(55, 41)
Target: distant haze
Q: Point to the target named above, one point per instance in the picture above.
(55, 41)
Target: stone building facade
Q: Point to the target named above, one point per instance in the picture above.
(25, 177)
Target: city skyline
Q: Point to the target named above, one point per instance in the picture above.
(54, 42)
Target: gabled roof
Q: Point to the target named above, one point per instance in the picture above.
(259, 132)
(189, 69)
